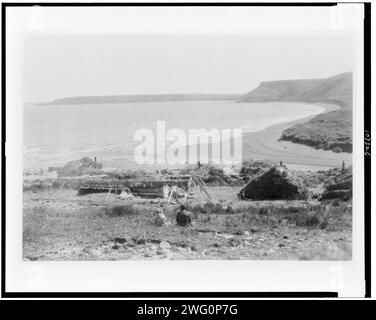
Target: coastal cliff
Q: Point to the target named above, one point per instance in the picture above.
(329, 131)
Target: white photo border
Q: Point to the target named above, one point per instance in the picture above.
(22, 278)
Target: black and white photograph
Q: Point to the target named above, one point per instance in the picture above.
(259, 169)
(177, 135)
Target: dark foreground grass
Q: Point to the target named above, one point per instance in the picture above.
(303, 215)
(43, 221)
(121, 210)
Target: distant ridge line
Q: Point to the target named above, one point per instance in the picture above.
(133, 98)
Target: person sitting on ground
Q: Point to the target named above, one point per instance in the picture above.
(183, 217)
(160, 219)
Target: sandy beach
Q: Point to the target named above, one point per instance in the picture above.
(71, 143)
(265, 144)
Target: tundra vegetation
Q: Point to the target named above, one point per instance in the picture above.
(59, 224)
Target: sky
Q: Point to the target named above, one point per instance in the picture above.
(58, 66)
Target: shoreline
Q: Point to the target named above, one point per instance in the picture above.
(323, 108)
(265, 145)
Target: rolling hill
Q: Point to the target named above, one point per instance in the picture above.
(328, 131)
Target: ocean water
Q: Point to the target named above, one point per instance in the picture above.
(54, 135)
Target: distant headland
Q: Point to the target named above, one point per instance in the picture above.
(142, 98)
(329, 131)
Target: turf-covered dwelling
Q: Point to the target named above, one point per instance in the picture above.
(276, 183)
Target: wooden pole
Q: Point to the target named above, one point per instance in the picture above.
(61, 188)
(169, 198)
(201, 184)
(108, 194)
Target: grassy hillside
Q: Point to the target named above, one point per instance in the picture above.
(329, 131)
(279, 90)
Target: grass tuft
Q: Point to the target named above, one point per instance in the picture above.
(121, 210)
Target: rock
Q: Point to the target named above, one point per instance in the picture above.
(254, 230)
(160, 219)
(246, 233)
(165, 245)
(115, 247)
(281, 245)
(183, 217)
(285, 237)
